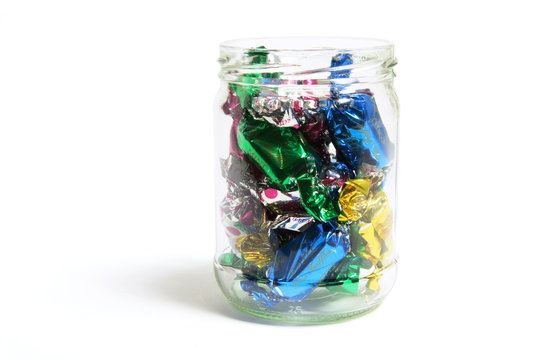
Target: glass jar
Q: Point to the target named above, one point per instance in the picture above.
(306, 138)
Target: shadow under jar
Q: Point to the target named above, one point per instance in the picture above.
(306, 136)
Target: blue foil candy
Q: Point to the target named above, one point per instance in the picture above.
(339, 60)
(376, 140)
(354, 121)
(301, 264)
(357, 131)
(259, 293)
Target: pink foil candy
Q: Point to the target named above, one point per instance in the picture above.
(280, 202)
(318, 137)
(232, 107)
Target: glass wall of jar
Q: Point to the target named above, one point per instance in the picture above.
(306, 138)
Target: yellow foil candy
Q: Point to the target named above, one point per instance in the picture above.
(354, 199)
(373, 244)
(373, 283)
(380, 215)
(373, 217)
(255, 248)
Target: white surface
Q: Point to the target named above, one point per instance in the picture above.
(106, 181)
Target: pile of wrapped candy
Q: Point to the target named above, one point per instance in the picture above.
(305, 207)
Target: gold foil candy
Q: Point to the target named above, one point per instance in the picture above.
(373, 218)
(373, 283)
(380, 215)
(382, 224)
(372, 249)
(255, 248)
(354, 199)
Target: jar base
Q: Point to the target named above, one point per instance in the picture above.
(315, 319)
(323, 305)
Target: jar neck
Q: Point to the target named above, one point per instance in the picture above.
(321, 63)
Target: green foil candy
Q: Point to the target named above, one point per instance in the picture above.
(250, 81)
(246, 268)
(280, 152)
(289, 162)
(231, 260)
(358, 244)
(316, 198)
(349, 275)
(346, 278)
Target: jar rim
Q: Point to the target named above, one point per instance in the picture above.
(310, 44)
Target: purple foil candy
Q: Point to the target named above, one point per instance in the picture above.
(233, 107)
(317, 136)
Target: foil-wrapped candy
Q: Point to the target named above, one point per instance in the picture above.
(284, 111)
(239, 173)
(251, 82)
(346, 275)
(354, 199)
(283, 155)
(378, 234)
(357, 130)
(287, 227)
(373, 173)
(341, 61)
(241, 266)
(354, 121)
(233, 107)
(279, 202)
(304, 262)
(371, 231)
(292, 223)
(317, 136)
(270, 195)
(318, 199)
(241, 215)
(338, 61)
(335, 174)
(255, 248)
(261, 295)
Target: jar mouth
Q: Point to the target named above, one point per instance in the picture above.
(308, 44)
(290, 61)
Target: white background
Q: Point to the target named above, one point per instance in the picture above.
(106, 180)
